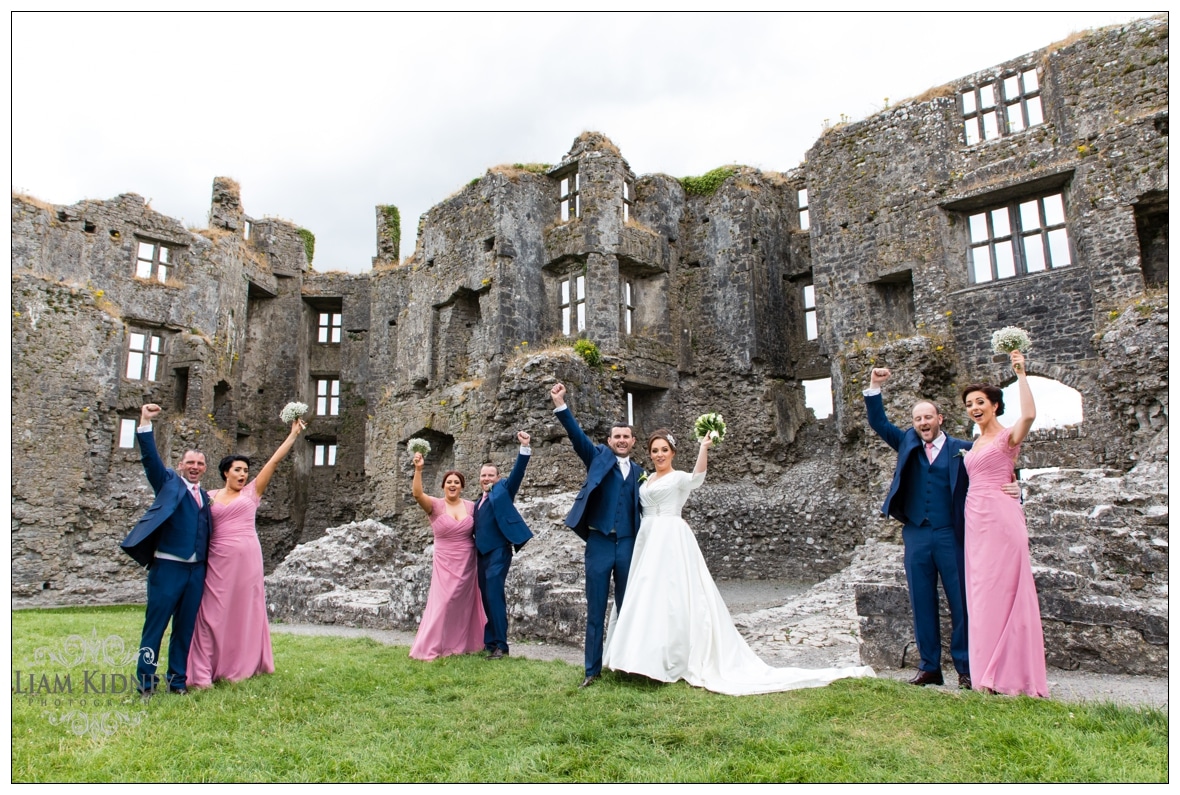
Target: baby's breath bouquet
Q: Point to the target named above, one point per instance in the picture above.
(418, 446)
(709, 425)
(1011, 338)
(292, 411)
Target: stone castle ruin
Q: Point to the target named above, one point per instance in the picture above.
(1034, 193)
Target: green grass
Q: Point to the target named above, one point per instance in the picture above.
(354, 710)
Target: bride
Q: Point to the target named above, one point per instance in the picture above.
(674, 623)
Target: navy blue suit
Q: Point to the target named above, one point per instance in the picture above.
(175, 525)
(606, 515)
(498, 528)
(928, 499)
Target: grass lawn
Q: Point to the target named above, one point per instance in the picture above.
(354, 710)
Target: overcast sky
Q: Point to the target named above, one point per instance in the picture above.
(322, 117)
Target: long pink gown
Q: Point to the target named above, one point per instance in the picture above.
(231, 639)
(453, 620)
(1004, 638)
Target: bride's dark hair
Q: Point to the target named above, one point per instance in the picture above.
(662, 433)
(992, 393)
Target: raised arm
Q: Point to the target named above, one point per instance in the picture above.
(1028, 409)
(420, 496)
(703, 456)
(268, 471)
(875, 406)
(578, 438)
(516, 477)
(153, 465)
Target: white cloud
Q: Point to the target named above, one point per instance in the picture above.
(320, 117)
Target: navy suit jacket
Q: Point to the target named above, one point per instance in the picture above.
(599, 460)
(170, 524)
(907, 443)
(508, 525)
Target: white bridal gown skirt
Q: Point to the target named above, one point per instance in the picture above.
(674, 623)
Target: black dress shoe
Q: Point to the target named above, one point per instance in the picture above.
(927, 678)
(964, 681)
(589, 680)
(497, 654)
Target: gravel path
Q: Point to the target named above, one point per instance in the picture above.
(754, 603)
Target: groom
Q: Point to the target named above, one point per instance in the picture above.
(605, 515)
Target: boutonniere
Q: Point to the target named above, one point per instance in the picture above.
(643, 477)
(962, 453)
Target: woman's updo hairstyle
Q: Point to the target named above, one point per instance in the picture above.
(662, 433)
(993, 394)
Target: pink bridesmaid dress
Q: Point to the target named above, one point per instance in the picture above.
(231, 639)
(453, 620)
(1004, 638)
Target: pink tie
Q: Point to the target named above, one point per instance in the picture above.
(196, 495)
(930, 452)
(482, 500)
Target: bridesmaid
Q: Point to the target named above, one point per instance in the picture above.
(1004, 637)
(231, 639)
(453, 620)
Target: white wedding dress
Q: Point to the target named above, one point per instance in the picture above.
(674, 623)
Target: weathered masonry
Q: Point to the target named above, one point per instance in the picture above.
(1034, 193)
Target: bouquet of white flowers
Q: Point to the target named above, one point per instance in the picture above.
(1011, 338)
(709, 425)
(418, 446)
(292, 411)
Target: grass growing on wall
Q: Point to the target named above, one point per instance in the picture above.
(308, 244)
(393, 225)
(707, 184)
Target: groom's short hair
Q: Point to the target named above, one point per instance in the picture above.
(937, 408)
(631, 428)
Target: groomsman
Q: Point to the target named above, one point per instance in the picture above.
(499, 529)
(605, 515)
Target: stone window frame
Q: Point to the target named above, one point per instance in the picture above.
(1015, 105)
(569, 194)
(329, 326)
(150, 354)
(1001, 233)
(810, 311)
(804, 210)
(157, 263)
(327, 396)
(122, 425)
(572, 302)
(628, 199)
(324, 452)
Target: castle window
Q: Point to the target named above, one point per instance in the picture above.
(628, 200)
(569, 195)
(247, 228)
(1021, 237)
(327, 397)
(817, 396)
(804, 213)
(628, 305)
(329, 327)
(152, 260)
(143, 356)
(573, 305)
(1002, 107)
(810, 315)
(631, 409)
(324, 453)
(127, 428)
